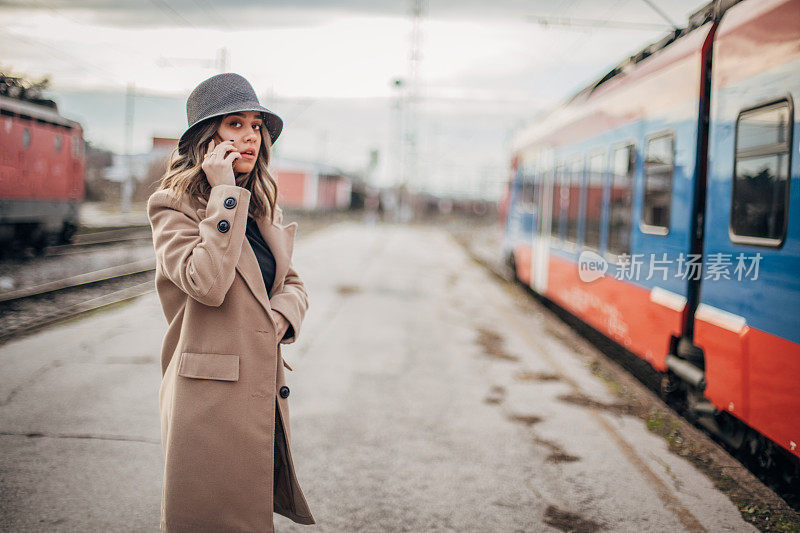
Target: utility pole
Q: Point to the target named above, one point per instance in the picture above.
(399, 107)
(128, 182)
(407, 112)
(223, 60)
(399, 149)
(413, 95)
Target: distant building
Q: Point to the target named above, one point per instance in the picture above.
(301, 184)
(164, 145)
(309, 185)
(139, 166)
(145, 169)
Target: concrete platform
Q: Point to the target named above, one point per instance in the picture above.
(407, 409)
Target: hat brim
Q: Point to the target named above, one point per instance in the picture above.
(273, 122)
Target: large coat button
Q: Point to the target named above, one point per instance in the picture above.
(230, 202)
(223, 226)
(284, 391)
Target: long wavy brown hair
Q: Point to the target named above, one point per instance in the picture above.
(185, 173)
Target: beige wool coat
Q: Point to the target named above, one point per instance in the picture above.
(228, 464)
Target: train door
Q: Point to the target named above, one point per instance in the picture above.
(520, 225)
(541, 239)
(536, 187)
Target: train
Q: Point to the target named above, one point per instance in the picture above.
(660, 206)
(42, 165)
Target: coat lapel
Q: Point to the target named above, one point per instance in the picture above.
(280, 240)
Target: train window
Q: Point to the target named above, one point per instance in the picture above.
(558, 200)
(572, 204)
(761, 175)
(526, 198)
(764, 126)
(58, 140)
(77, 146)
(619, 208)
(658, 171)
(26, 138)
(538, 188)
(594, 201)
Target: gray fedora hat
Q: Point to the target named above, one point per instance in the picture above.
(223, 94)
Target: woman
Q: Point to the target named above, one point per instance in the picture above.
(231, 298)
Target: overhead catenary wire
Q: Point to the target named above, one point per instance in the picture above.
(59, 13)
(580, 42)
(164, 6)
(661, 13)
(214, 15)
(596, 23)
(64, 56)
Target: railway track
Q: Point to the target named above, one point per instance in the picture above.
(29, 309)
(84, 241)
(642, 372)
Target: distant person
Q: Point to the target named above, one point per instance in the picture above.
(371, 205)
(231, 298)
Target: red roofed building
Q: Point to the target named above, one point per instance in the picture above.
(310, 185)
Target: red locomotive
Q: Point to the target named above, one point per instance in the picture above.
(41, 169)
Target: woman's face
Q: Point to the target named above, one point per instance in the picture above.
(244, 129)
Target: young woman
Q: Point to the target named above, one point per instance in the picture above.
(231, 298)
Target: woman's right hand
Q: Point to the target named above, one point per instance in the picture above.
(218, 163)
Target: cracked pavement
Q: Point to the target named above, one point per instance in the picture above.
(423, 399)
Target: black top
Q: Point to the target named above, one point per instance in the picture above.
(265, 258)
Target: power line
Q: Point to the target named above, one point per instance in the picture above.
(608, 15)
(65, 56)
(210, 10)
(79, 22)
(166, 8)
(596, 23)
(661, 13)
(411, 134)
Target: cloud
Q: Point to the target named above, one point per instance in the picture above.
(204, 14)
(328, 67)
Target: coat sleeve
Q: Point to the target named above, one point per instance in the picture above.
(292, 301)
(200, 258)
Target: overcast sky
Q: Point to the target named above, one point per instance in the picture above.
(326, 67)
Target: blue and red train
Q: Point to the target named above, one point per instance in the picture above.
(661, 206)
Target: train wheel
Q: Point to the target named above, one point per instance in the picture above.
(760, 451)
(673, 392)
(511, 263)
(68, 231)
(29, 237)
(39, 243)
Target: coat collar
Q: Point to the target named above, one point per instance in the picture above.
(280, 240)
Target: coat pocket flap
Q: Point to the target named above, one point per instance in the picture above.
(220, 366)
